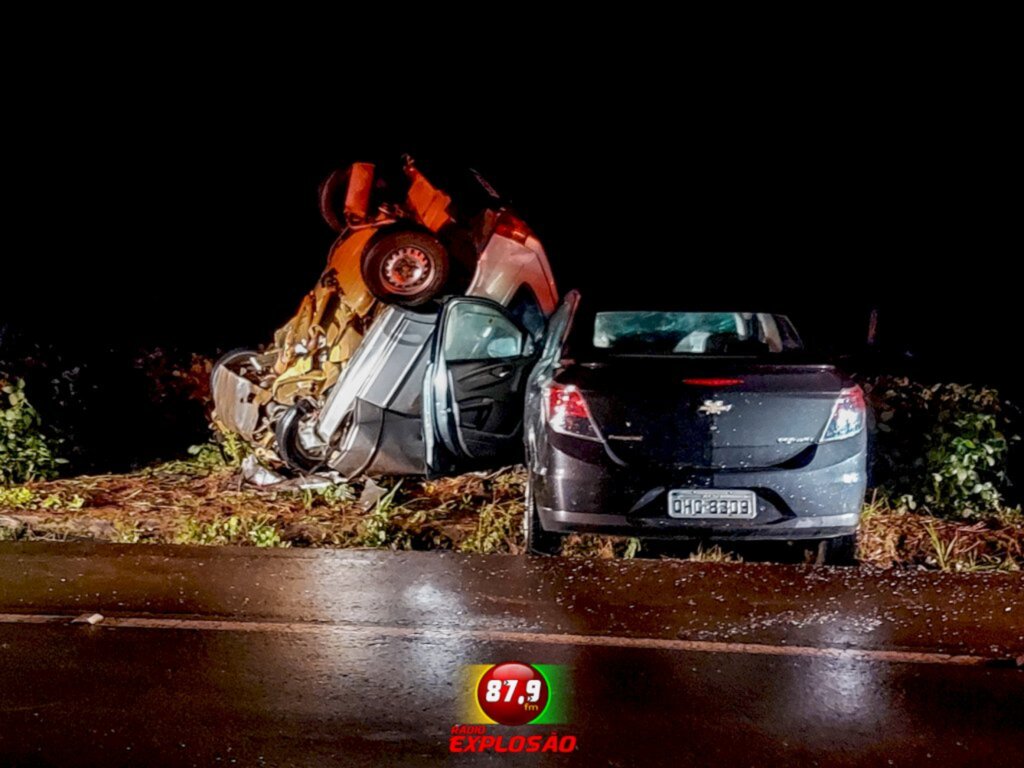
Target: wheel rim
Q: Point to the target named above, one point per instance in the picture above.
(406, 270)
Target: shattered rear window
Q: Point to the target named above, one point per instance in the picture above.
(693, 333)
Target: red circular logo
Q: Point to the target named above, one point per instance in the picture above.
(512, 693)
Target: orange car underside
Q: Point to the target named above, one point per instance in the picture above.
(310, 351)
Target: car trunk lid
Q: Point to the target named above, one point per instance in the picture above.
(706, 414)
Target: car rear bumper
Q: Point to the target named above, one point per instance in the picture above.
(797, 528)
(822, 499)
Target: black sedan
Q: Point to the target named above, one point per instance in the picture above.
(664, 423)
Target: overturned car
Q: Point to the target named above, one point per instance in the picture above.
(412, 353)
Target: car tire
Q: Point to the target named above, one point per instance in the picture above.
(407, 267)
(235, 354)
(289, 447)
(538, 541)
(841, 550)
(331, 189)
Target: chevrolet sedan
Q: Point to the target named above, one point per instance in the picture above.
(661, 422)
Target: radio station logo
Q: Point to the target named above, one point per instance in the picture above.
(513, 693)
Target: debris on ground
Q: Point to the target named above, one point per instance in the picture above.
(92, 619)
(258, 474)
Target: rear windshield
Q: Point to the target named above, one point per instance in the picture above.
(688, 333)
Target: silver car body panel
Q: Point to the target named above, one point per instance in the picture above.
(392, 353)
(377, 402)
(506, 264)
(236, 399)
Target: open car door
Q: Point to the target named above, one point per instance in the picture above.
(474, 387)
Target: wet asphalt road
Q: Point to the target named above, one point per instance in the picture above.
(244, 657)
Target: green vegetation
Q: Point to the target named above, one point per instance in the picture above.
(942, 449)
(942, 483)
(236, 529)
(714, 554)
(127, 532)
(22, 497)
(499, 528)
(394, 525)
(331, 496)
(600, 547)
(17, 497)
(380, 528)
(225, 451)
(26, 454)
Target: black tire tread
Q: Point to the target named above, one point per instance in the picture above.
(388, 240)
(538, 541)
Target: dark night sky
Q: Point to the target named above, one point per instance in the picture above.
(190, 219)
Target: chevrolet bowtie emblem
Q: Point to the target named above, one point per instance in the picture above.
(714, 407)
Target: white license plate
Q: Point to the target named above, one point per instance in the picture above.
(707, 504)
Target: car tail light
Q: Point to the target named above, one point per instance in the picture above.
(568, 413)
(512, 227)
(847, 417)
(712, 382)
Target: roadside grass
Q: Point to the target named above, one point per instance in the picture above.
(259, 532)
(390, 525)
(893, 535)
(499, 528)
(128, 533)
(714, 554)
(600, 547)
(226, 451)
(202, 501)
(23, 497)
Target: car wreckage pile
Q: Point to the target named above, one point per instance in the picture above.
(343, 389)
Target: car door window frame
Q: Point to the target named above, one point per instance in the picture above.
(526, 345)
(525, 307)
(558, 325)
(445, 448)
